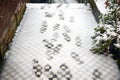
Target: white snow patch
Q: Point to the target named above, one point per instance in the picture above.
(117, 45)
(101, 6)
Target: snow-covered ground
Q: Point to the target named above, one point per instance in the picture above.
(53, 40)
(65, 1)
(101, 6)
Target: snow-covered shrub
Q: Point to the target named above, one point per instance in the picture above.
(106, 37)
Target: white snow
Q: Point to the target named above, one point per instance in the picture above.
(76, 22)
(117, 45)
(65, 1)
(105, 37)
(101, 6)
(113, 34)
(119, 36)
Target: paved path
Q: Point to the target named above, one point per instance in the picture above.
(53, 42)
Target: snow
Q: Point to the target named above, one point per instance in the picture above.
(65, 1)
(76, 24)
(105, 37)
(56, 6)
(119, 36)
(113, 34)
(117, 45)
(101, 6)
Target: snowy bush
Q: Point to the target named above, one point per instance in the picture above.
(106, 37)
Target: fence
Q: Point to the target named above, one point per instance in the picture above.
(11, 12)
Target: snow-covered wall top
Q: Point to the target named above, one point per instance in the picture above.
(101, 6)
